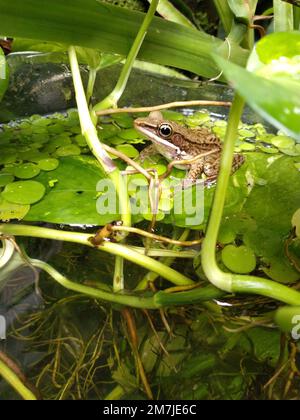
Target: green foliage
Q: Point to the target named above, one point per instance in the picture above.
(111, 29)
(3, 74)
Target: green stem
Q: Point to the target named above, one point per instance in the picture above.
(112, 248)
(296, 10)
(91, 84)
(90, 133)
(264, 287)
(150, 277)
(156, 301)
(209, 264)
(88, 129)
(15, 382)
(118, 282)
(190, 297)
(237, 33)
(225, 14)
(122, 299)
(112, 99)
(283, 16)
(227, 281)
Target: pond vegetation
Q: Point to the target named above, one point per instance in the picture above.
(115, 281)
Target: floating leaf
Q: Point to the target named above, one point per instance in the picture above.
(239, 259)
(10, 211)
(5, 178)
(71, 196)
(48, 164)
(24, 192)
(26, 171)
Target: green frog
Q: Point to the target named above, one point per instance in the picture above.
(177, 142)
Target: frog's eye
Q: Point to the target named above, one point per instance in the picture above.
(165, 130)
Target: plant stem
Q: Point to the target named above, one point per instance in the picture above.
(122, 299)
(90, 133)
(112, 99)
(112, 248)
(209, 264)
(150, 277)
(227, 281)
(283, 16)
(11, 377)
(88, 129)
(91, 84)
(237, 33)
(225, 14)
(118, 282)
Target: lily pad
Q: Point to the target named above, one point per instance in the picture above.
(239, 259)
(48, 164)
(73, 196)
(24, 192)
(26, 171)
(10, 211)
(5, 178)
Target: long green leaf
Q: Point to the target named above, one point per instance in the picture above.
(89, 23)
(278, 102)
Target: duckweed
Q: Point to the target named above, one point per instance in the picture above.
(238, 259)
(26, 171)
(48, 164)
(5, 178)
(24, 192)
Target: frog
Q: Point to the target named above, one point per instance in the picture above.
(175, 141)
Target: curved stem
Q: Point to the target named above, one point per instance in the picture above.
(112, 248)
(227, 281)
(12, 378)
(90, 133)
(209, 264)
(122, 299)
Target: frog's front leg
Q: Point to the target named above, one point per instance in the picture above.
(195, 171)
(147, 152)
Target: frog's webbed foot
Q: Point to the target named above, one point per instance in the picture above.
(147, 153)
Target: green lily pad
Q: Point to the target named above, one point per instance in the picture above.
(26, 171)
(73, 196)
(10, 211)
(239, 259)
(24, 192)
(5, 178)
(71, 150)
(128, 150)
(282, 142)
(48, 164)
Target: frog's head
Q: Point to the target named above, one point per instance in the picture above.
(161, 132)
